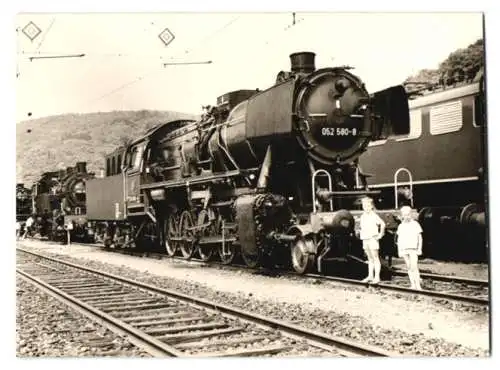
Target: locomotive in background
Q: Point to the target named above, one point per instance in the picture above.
(24, 206)
(440, 168)
(59, 203)
(271, 175)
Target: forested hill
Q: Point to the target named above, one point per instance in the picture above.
(467, 61)
(51, 143)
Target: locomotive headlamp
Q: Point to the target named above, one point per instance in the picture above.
(79, 188)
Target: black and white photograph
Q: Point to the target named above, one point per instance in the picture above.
(252, 184)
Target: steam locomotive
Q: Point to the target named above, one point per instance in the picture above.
(23, 202)
(271, 175)
(440, 166)
(59, 203)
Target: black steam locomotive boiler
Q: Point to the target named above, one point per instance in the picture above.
(272, 175)
(59, 199)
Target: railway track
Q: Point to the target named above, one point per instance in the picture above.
(167, 323)
(452, 288)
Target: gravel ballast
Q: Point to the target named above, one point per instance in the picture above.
(46, 327)
(360, 314)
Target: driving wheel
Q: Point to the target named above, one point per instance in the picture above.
(206, 251)
(186, 232)
(171, 230)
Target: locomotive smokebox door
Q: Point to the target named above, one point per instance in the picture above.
(392, 106)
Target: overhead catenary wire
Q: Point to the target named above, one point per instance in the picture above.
(90, 53)
(171, 62)
(168, 61)
(44, 35)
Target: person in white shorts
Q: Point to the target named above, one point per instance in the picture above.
(409, 240)
(372, 228)
(29, 223)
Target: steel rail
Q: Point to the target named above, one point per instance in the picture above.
(140, 339)
(445, 278)
(423, 292)
(344, 345)
(383, 286)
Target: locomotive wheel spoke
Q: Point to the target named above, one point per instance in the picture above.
(188, 246)
(171, 230)
(228, 253)
(206, 251)
(228, 258)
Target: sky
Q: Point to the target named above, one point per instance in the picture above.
(123, 64)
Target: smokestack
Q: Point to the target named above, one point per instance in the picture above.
(81, 167)
(303, 62)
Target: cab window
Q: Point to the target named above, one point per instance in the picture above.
(135, 158)
(415, 126)
(119, 164)
(108, 167)
(479, 109)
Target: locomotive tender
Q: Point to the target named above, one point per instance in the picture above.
(272, 175)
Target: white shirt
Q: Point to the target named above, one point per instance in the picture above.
(369, 225)
(408, 233)
(29, 222)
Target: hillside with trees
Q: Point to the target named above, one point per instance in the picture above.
(57, 142)
(462, 64)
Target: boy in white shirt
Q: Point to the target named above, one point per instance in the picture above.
(29, 223)
(409, 239)
(372, 228)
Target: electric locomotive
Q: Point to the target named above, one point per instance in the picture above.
(439, 168)
(271, 175)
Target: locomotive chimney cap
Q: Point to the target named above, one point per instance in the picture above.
(303, 62)
(81, 167)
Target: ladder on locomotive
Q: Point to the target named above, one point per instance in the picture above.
(323, 173)
(396, 184)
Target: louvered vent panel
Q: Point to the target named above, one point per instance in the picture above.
(446, 118)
